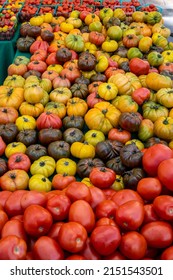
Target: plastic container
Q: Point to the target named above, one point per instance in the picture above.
(47, 9)
(8, 35)
(24, 15)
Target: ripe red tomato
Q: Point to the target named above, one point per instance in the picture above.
(33, 197)
(59, 206)
(97, 196)
(105, 221)
(102, 177)
(130, 215)
(153, 156)
(89, 252)
(14, 227)
(115, 256)
(75, 257)
(12, 248)
(12, 204)
(140, 95)
(125, 195)
(106, 208)
(78, 190)
(80, 211)
(149, 214)
(139, 66)
(37, 220)
(54, 230)
(165, 173)
(167, 254)
(3, 197)
(3, 219)
(19, 161)
(105, 239)
(163, 206)
(46, 248)
(61, 181)
(149, 188)
(72, 237)
(133, 245)
(158, 234)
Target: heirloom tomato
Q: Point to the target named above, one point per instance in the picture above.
(149, 188)
(33, 197)
(13, 180)
(19, 161)
(61, 181)
(106, 209)
(102, 177)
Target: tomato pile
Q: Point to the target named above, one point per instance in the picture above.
(86, 139)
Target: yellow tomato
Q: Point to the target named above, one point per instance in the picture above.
(137, 142)
(25, 122)
(39, 183)
(14, 147)
(66, 27)
(93, 137)
(110, 46)
(66, 166)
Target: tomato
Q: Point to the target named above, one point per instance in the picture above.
(139, 66)
(12, 248)
(149, 188)
(105, 239)
(46, 248)
(106, 208)
(165, 173)
(153, 156)
(133, 245)
(115, 256)
(97, 196)
(102, 177)
(54, 230)
(125, 195)
(75, 257)
(149, 214)
(33, 197)
(109, 193)
(19, 161)
(14, 227)
(140, 95)
(167, 254)
(3, 219)
(12, 205)
(80, 211)
(158, 234)
(72, 237)
(3, 197)
(105, 221)
(61, 181)
(89, 252)
(37, 220)
(59, 206)
(163, 206)
(78, 190)
(130, 215)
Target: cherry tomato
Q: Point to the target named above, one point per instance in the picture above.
(149, 214)
(3, 219)
(102, 177)
(37, 220)
(125, 195)
(165, 173)
(14, 227)
(163, 206)
(12, 204)
(97, 196)
(149, 188)
(89, 252)
(167, 254)
(158, 234)
(130, 215)
(133, 245)
(33, 197)
(105, 239)
(106, 208)
(72, 237)
(58, 206)
(46, 248)
(80, 211)
(12, 248)
(153, 156)
(78, 190)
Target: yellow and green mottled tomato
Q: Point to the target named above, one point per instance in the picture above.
(152, 111)
(146, 130)
(155, 58)
(74, 42)
(163, 128)
(45, 165)
(40, 183)
(134, 52)
(94, 136)
(107, 91)
(165, 97)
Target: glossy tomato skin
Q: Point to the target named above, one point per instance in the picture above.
(102, 177)
(59, 206)
(75, 257)
(3, 197)
(165, 173)
(158, 234)
(106, 208)
(12, 248)
(167, 254)
(78, 190)
(89, 252)
(61, 181)
(163, 206)
(130, 215)
(3, 219)
(97, 196)
(149, 214)
(37, 220)
(149, 188)
(125, 195)
(105, 239)
(54, 230)
(46, 248)
(105, 221)
(33, 197)
(12, 205)
(72, 237)
(127, 247)
(80, 211)
(19, 161)
(115, 256)
(153, 156)
(14, 227)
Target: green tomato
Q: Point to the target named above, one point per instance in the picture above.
(115, 33)
(134, 52)
(96, 26)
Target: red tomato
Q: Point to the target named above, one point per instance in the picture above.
(165, 173)
(61, 181)
(3, 197)
(37, 220)
(153, 156)
(133, 245)
(89, 252)
(19, 161)
(105, 239)
(105, 221)
(12, 204)
(46, 248)
(72, 237)
(149, 214)
(12, 248)
(106, 208)
(75, 257)
(54, 230)
(139, 66)
(140, 95)
(97, 196)
(14, 227)
(125, 195)
(102, 177)
(59, 206)
(3, 219)
(158, 234)
(149, 188)
(80, 211)
(167, 254)
(130, 215)
(115, 256)
(33, 197)
(78, 190)
(163, 206)
(109, 193)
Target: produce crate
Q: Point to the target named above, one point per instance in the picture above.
(47, 9)
(24, 15)
(146, 6)
(33, 2)
(50, 2)
(8, 35)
